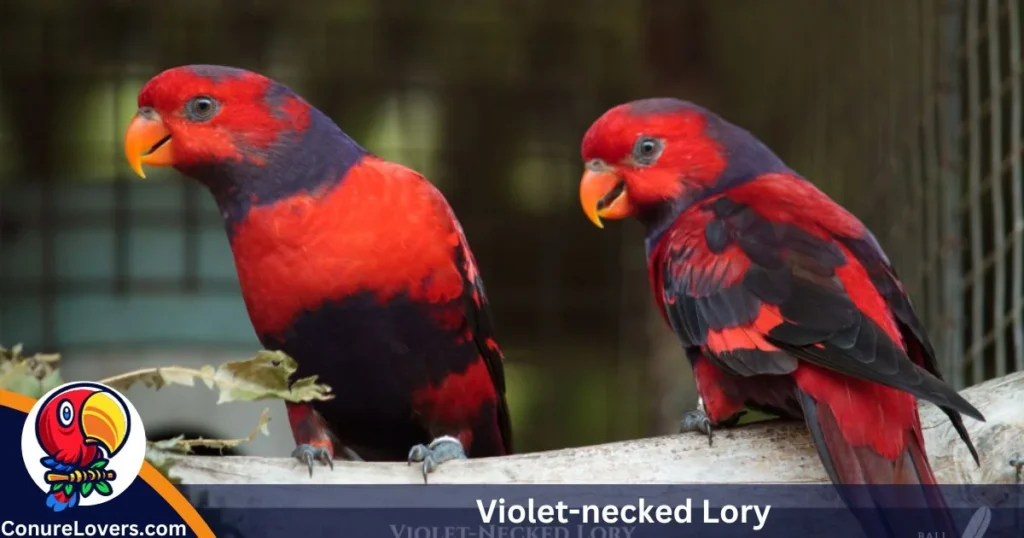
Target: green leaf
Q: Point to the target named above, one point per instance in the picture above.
(68, 488)
(265, 376)
(54, 488)
(86, 489)
(98, 464)
(103, 487)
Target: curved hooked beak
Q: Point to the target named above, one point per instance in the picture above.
(603, 195)
(148, 141)
(105, 421)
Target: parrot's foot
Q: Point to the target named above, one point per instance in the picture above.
(439, 450)
(698, 421)
(1017, 462)
(308, 454)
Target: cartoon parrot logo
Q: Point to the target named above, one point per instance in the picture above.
(80, 430)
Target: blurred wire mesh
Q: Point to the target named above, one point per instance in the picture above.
(909, 113)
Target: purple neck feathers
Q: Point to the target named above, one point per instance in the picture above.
(317, 157)
(747, 159)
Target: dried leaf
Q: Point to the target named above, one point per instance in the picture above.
(166, 445)
(162, 462)
(209, 372)
(173, 376)
(50, 382)
(163, 454)
(180, 445)
(32, 376)
(265, 376)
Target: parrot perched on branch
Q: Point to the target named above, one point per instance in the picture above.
(80, 429)
(354, 266)
(782, 299)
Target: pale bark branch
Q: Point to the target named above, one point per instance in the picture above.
(774, 452)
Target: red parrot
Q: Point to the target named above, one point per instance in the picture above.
(354, 266)
(80, 429)
(783, 300)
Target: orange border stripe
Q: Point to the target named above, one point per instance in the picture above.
(148, 474)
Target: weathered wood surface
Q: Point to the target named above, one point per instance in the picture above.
(772, 452)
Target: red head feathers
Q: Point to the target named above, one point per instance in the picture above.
(650, 158)
(246, 137)
(200, 114)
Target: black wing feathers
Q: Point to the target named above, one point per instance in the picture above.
(795, 271)
(479, 317)
(887, 282)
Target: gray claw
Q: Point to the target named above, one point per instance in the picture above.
(308, 454)
(697, 421)
(1017, 462)
(437, 452)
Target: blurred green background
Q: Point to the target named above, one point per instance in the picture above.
(871, 100)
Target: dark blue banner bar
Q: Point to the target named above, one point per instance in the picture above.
(634, 511)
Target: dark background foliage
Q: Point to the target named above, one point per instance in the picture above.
(907, 112)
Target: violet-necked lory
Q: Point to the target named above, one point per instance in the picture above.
(354, 266)
(783, 300)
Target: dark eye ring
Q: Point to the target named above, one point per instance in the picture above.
(647, 149)
(65, 413)
(201, 108)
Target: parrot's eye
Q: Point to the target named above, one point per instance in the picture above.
(647, 150)
(201, 108)
(65, 413)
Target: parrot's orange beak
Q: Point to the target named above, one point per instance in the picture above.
(148, 142)
(104, 421)
(603, 195)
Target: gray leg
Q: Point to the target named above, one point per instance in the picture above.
(439, 450)
(697, 421)
(308, 454)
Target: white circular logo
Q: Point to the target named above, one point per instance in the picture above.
(83, 444)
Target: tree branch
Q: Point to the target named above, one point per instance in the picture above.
(776, 451)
